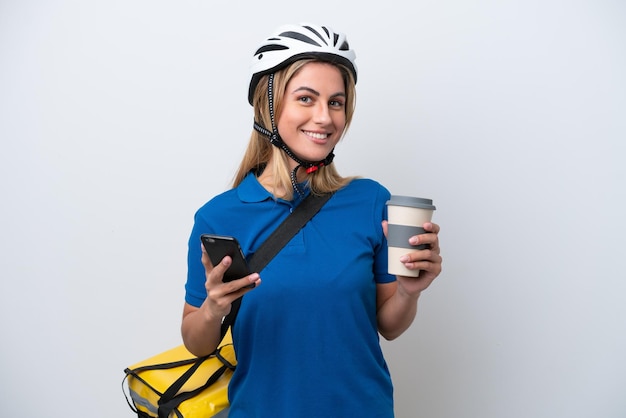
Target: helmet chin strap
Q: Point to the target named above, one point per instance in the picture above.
(276, 140)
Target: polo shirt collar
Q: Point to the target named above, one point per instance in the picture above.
(251, 191)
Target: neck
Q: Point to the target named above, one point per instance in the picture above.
(275, 184)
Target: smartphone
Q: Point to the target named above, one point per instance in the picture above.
(218, 247)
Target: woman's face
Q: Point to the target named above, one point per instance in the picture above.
(313, 114)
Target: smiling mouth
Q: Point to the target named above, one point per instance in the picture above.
(316, 135)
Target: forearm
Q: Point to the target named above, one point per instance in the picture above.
(200, 331)
(397, 314)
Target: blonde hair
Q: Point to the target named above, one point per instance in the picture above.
(260, 151)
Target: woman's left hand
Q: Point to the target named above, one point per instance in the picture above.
(427, 261)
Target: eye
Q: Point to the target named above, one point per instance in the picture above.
(336, 103)
(305, 99)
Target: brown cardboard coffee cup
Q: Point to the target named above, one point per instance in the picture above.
(406, 216)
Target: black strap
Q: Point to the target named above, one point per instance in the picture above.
(170, 399)
(287, 230)
(276, 241)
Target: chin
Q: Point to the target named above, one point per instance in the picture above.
(319, 157)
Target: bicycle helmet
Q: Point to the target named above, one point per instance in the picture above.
(293, 42)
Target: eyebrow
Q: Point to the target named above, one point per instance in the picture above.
(316, 93)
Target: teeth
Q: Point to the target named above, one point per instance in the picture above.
(316, 135)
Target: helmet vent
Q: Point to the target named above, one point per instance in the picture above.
(322, 38)
(272, 47)
(299, 37)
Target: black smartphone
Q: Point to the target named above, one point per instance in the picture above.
(218, 247)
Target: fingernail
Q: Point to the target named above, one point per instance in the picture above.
(404, 258)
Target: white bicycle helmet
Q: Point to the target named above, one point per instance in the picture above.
(290, 43)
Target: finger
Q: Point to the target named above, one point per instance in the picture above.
(243, 285)
(385, 227)
(429, 239)
(421, 255)
(432, 265)
(215, 275)
(432, 227)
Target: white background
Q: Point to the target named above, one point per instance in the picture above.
(118, 119)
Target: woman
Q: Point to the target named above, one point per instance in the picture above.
(307, 338)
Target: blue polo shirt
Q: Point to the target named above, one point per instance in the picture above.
(306, 339)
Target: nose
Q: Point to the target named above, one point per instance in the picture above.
(321, 113)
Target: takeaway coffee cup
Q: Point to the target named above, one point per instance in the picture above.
(405, 215)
